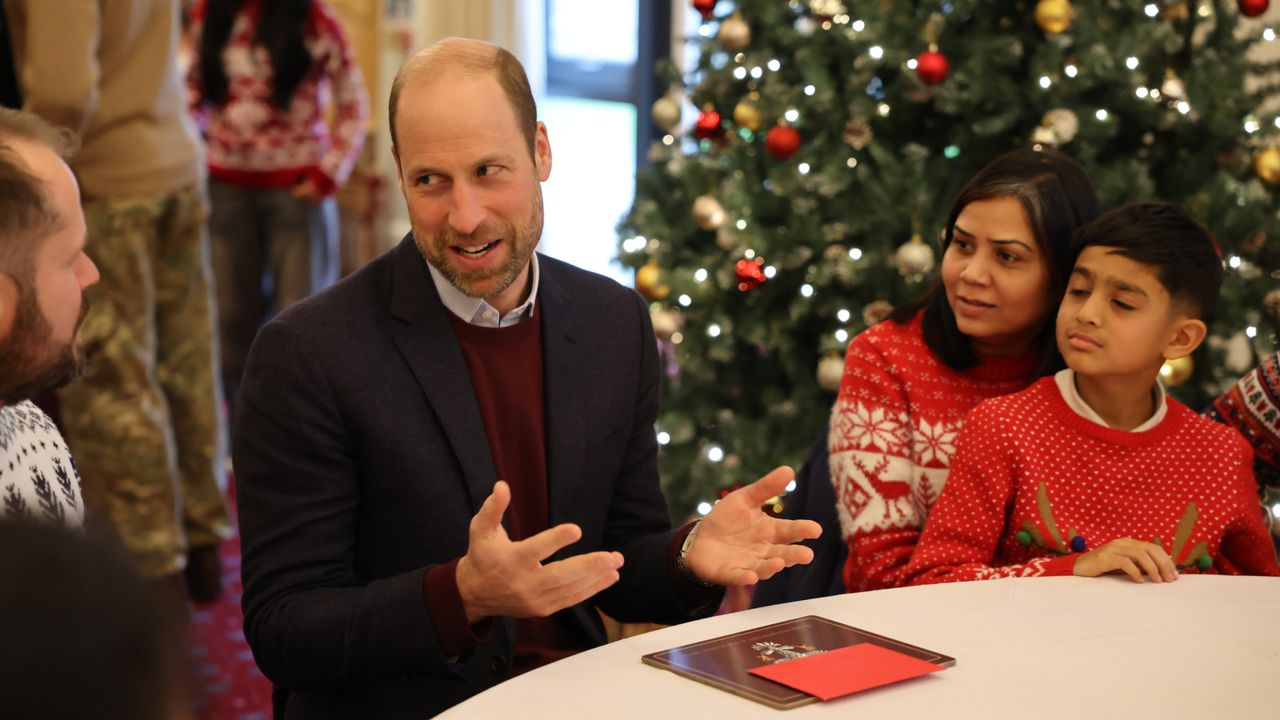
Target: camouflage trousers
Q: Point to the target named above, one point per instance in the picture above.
(145, 423)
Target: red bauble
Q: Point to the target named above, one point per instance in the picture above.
(706, 7)
(750, 273)
(932, 67)
(708, 126)
(1252, 8)
(782, 141)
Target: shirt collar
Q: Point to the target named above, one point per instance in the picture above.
(1066, 381)
(476, 311)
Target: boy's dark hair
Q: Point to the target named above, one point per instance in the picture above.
(1058, 198)
(1179, 250)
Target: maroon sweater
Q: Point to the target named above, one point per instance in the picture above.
(505, 365)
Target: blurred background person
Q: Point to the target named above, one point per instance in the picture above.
(260, 83)
(84, 636)
(144, 424)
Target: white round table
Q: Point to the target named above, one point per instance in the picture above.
(1033, 649)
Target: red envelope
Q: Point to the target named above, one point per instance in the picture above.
(848, 670)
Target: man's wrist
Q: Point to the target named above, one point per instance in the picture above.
(682, 566)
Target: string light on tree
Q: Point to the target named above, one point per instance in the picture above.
(706, 7)
(1054, 16)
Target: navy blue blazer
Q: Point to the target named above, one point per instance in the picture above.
(360, 457)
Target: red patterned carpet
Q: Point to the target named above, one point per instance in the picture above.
(230, 686)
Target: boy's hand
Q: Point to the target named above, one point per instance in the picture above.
(1132, 557)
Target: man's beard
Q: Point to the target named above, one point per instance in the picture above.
(481, 284)
(29, 364)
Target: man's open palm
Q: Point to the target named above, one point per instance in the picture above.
(737, 543)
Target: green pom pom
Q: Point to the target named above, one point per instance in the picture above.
(1024, 538)
(1204, 562)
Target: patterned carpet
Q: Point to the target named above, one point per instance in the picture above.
(230, 686)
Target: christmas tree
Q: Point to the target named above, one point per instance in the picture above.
(806, 197)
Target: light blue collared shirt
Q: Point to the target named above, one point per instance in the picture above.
(475, 311)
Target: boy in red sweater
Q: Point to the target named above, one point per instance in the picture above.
(1096, 470)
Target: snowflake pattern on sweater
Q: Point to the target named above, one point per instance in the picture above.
(251, 142)
(1028, 462)
(892, 437)
(38, 478)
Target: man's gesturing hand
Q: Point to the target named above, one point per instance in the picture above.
(738, 544)
(501, 577)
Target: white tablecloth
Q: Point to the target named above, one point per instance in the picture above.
(1033, 649)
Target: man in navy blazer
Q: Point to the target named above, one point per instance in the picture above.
(447, 462)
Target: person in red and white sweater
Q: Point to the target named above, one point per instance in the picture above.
(1096, 470)
(260, 84)
(982, 331)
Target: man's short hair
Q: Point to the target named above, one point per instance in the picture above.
(1178, 250)
(455, 55)
(26, 215)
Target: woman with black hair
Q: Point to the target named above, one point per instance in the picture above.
(984, 329)
(263, 74)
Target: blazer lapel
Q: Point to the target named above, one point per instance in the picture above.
(562, 371)
(432, 352)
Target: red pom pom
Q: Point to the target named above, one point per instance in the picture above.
(782, 141)
(1252, 8)
(708, 126)
(932, 67)
(706, 7)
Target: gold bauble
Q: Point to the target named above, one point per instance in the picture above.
(830, 372)
(747, 115)
(648, 282)
(735, 33)
(708, 213)
(1177, 371)
(1054, 16)
(1267, 164)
